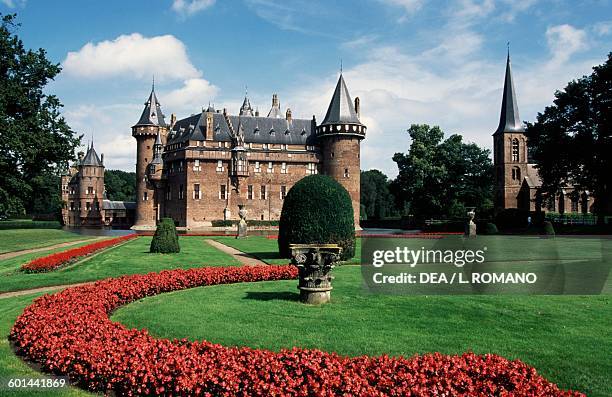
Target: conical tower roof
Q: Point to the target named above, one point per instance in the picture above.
(341, 109)
(152, 113)
(509, 120)
(91, 157)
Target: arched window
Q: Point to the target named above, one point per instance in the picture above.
(515, 150)
(516, 174)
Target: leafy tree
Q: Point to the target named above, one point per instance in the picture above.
(120, 185)
(376, 199)
(571, 140)
(440, 178)
(35, 139)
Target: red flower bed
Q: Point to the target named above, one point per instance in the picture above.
(69, 333)
(53, 261)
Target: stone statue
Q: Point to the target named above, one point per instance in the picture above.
(471, 226)
(242, 225)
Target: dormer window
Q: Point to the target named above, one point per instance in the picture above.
(272, 131)
(303, 132)
(287, 132)
(256, 130)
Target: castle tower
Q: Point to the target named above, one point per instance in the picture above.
(340, 135)
(509, 149)
(150, 125)
(90, 187)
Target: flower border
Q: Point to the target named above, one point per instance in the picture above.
(70, 333)
(53, 261)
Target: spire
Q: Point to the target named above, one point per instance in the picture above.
(91, 157)
(246, 109)
(152, 113)
(341, 108)
(157, 150)
(275, 111)
(509, 120)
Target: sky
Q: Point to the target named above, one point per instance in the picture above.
(409, 61)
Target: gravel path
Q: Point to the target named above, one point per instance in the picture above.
(238, 255)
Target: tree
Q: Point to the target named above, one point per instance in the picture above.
(120, 185)
(571, 140)
(376, 199)
(441, 178)
(35, 140)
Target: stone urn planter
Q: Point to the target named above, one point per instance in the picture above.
(315, 263)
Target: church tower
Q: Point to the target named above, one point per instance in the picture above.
(340, 135)
(149, 128)
(509, 149)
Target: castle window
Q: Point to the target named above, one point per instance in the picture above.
(257, 166)
(575, 204)
(332, 154)
(88, 206)
(270, 168)
(72, 206)
(180, 166)
(197, 194)
(283, 192)
(196, 165)
(516, 174)
(264, 193)
(223, 192)
(283, 168)
(346, 173)
(181, 193)
(515, 150)
(169, 194)
(250, 192)
(97, 206)
(145, 196)
(266, 146)
(311, 168)
(90, 190)
(219, 166)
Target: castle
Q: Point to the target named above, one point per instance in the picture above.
(84, 196)
(517, 182)
(198, 170)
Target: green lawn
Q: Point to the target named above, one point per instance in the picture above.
(21, 239)
(566, 338)
(12, 366)
(130, 258)
(266, 249)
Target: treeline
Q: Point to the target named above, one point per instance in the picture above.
(438, 178)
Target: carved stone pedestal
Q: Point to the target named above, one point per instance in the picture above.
(315, 263)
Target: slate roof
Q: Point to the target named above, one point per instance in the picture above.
(341, 109)
(509, 120)
(152, 113)
(256, 129)
(91, 158)
(118, 205)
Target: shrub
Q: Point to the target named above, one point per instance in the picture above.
(165, 239)
(549, 230)
(70, 334)
(317, 210)
(490, 228)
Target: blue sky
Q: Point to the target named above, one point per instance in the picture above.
(409, 61)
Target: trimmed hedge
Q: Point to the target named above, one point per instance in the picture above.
(26, 224)
(317, 210)
(165, 239)
(490, 228)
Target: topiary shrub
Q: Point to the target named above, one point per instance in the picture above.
(549, 230)
(317, 210)
(165, 239)
(491, 228)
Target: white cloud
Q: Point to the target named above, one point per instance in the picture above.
(563, 41)
(13, 3)
(514, 7)
(603, 28)
(190, 97)
(132, 55)
(190, 7)
(410, 6)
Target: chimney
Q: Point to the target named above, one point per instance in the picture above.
(275, 102)
(172, 120)
(256, 112)
(102, 158)
(288, 115)
(357, 107)
(224, 111)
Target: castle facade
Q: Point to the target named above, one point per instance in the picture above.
(200, 169)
